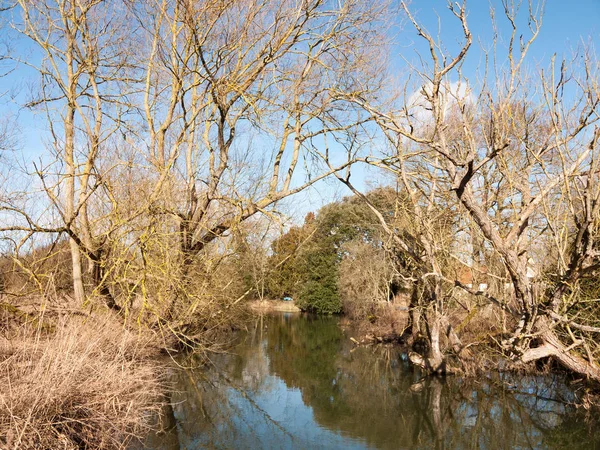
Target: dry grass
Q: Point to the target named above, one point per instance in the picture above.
(263, 306)
(88, 384)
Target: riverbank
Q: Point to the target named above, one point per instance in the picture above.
(265, 306)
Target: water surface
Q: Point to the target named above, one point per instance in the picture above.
(297, 381)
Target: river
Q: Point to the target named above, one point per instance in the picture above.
(297, 381)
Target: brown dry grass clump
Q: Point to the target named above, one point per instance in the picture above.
(87, 384)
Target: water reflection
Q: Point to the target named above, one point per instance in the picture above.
(296, 382)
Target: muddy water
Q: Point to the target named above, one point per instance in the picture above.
(297, 381)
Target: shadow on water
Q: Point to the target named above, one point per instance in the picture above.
(296, 382)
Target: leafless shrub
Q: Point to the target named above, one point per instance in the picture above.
(365, 279)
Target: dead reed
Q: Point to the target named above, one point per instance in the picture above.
(88, 383)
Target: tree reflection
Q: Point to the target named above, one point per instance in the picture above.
(298, 382)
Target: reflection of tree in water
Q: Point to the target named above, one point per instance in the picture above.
(303, 353)
(367, 394)
(203, 406)
(364, 392)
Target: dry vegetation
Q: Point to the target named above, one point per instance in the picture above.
(88, 383)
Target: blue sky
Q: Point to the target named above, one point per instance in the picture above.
(566, 25)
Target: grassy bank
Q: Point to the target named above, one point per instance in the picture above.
(77, 382)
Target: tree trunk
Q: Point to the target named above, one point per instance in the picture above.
(554, 348)
(78, 290)
(436, 359)
(69, 156)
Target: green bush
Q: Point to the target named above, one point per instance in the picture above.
(320, 292)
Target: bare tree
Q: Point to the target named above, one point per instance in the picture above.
(236, 102)
(81, 60)
(518, 154)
